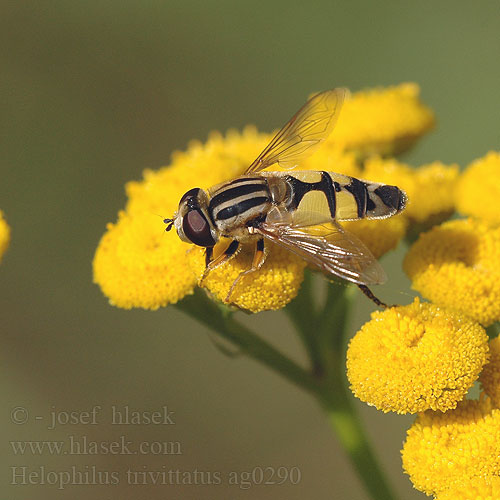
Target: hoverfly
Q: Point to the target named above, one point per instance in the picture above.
(286, 207)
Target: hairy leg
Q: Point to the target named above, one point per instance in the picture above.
(371, 296)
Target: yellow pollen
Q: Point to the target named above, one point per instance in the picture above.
(139, 265)
(456, 450)
(457, 265)
(383, 121)
(478, 189)
(408, 359)
(273, 286)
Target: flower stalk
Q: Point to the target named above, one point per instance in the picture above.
(221, 320)
(323, 334)
(349, 430)
(329, 330)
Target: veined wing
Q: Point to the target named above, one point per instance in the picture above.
(331, 249)
(303, 133)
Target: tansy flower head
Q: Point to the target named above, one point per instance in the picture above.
(272, 287)
(457, 265)
(411, 358)
(476, 488)
(137, 265)
(478, 189)
(432, 200)
(490, 376)
(428, 187)
(445, 450)
(4, 235)
(382, 121)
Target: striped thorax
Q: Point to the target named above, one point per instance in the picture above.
(239, 204)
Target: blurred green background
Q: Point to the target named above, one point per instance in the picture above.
(94, 92)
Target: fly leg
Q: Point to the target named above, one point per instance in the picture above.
(370, 295)
(211, 264)
(258, 259)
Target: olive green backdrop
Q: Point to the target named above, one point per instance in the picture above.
(91, 93)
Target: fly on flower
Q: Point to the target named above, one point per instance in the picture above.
(298, 211)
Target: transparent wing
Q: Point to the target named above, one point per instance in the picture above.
(303, 133)
(297, 218)
(331, 249)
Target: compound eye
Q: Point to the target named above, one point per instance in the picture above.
(197, 229)
(192, 193)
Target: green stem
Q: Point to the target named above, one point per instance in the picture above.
(302, 313)
(220, 320)
(324, 336)
(335, 398)
(333, 320)
(346, 424)
(493, 330)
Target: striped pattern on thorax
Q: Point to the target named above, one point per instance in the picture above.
(238, 201)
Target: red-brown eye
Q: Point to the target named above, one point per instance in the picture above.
(197, 229)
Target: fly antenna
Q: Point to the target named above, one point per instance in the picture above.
(169, 223)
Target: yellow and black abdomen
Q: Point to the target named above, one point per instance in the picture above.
(339, 197)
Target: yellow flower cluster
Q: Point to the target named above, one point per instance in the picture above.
(272, 287)
(435, 178)
(478, 190)
(477, 488)
(456, 454)
(490, 376)
(383, 121)
(136, 265)
(456, 265)
(455, 451)
(412, 358)
(4, 235)
(417, 358)
(425, 357)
